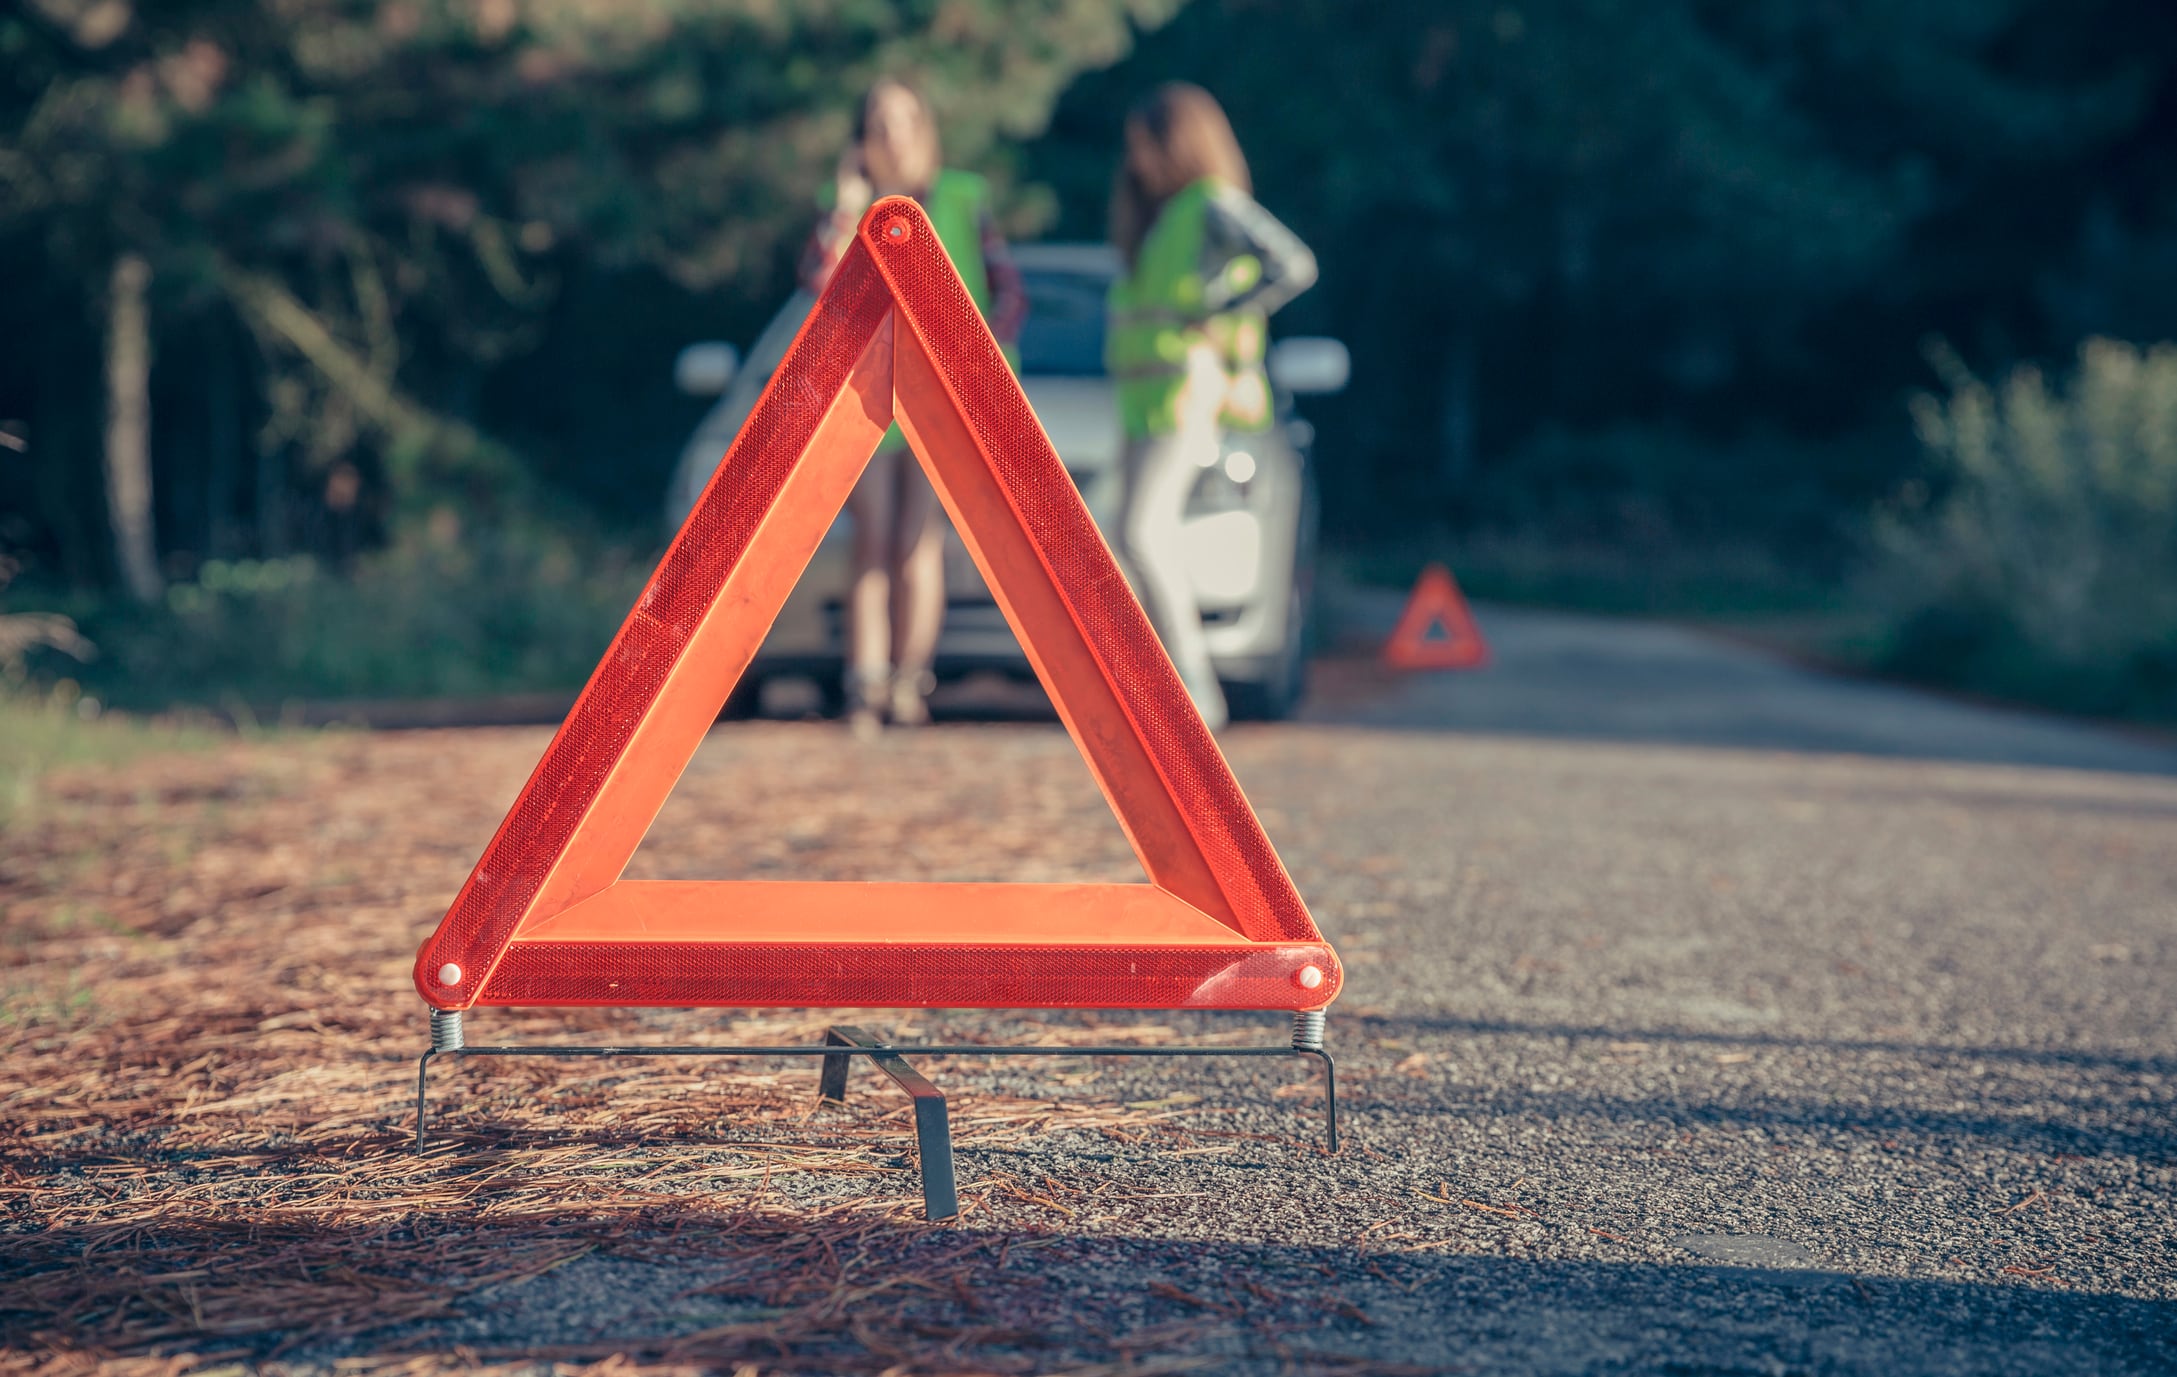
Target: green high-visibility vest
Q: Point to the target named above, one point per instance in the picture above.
(1156, 315)
(955, 203)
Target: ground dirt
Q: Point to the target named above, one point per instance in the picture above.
(1672, 1042)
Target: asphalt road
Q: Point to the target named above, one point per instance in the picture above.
(1705, 1015)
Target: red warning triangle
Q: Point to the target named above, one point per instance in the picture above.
(545, 919)
(1437, 630)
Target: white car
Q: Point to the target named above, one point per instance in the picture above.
(1251, 522)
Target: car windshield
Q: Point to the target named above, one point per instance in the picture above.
(1064, 334)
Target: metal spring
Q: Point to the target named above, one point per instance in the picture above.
(446, 1030)
(1308, 1031)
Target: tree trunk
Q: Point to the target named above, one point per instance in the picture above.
(128, 429)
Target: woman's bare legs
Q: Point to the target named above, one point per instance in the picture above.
(874, 507)
(896, 599)
(918, 596)
(1160, 473)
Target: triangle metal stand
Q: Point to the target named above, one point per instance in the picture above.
(933, 1125)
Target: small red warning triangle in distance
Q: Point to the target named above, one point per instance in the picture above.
(1437, 630)
(545, 918)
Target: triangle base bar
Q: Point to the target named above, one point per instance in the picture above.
(825, 912)
(920, 975)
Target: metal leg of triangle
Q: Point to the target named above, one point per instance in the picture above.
(933, 1127)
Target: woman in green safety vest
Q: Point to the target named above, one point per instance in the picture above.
(896, 603)
(1205, 267)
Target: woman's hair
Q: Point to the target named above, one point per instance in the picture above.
(876, 92)
(1184, 137)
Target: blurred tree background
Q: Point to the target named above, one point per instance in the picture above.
(340, 331)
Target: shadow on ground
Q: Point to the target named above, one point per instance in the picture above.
(724, 1288)
(2067, 1057)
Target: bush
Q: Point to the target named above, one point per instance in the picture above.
(1698, 580)
(440, 612)
(2045, 567)
(1658, 489)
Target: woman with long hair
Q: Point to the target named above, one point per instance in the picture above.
(896, 602)
(1204, 268)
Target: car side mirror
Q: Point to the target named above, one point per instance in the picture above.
(1310, 365)
(706, 369)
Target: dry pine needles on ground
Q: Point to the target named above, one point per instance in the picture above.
(207, 1122)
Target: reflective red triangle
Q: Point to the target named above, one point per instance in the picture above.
(1437, 630)
(545, 919)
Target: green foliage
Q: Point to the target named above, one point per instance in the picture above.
(439, 612)
(2047, 566)
(1721, 219)
(388, 193)
(1703, 583)
(1658, 492)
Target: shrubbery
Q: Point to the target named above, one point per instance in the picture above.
(441, 611)
(2042, 563)
(1667, 493)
